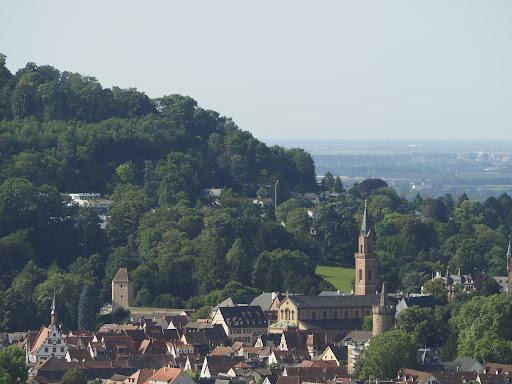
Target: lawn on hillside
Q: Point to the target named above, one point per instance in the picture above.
(340, 277)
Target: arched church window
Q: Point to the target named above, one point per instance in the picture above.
(345, 316)
(324, 315)
(367, 313)
(313, 315)
(361, 248)
(369, 275)
(335, 314)
(356, 314)
(360, 274)
(293, 315)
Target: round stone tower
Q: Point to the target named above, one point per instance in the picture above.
(383, 314)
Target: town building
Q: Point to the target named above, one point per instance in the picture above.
(241, 323)
(50, 340)
(94, 200)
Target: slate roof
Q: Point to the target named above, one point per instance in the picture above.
(365, 225)
(358, 336)
(51, 364)
(335, 301)
(339, 324)
(339, 352)
(265, 300)
(335, 293)
(245, 316)
(290, 357)
(122, 276)
(464, 363)
(422, 301)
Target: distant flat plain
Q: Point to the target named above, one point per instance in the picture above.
(478, 168)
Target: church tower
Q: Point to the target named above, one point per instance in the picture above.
(122, 290)
(509, 268)
(366, 260)
(383, 314)
(53, 314)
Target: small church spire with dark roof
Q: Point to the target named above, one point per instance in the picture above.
(365, 226)
(383, 296)
(53, 314)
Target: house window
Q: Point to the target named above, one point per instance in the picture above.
(54, 349)
(62, 349)
(46, 349)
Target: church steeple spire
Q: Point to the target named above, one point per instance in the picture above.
(53, 314)
(366, 259)
(365, 226)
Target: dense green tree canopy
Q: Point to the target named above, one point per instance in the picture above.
(13, 369)
(387, 354)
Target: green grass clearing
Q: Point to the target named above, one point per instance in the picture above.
(340, 277)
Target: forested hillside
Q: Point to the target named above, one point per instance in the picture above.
(62, 132)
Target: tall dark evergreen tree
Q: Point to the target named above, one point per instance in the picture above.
(85, 311)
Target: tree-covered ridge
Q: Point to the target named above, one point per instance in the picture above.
(65, 130)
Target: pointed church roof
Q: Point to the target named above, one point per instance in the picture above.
(365, 226)
(383, 295)
(122, 276)
(54, 305)
(509, 252)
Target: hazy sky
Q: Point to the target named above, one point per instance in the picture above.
(303, 69)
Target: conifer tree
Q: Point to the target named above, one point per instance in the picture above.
(85, 318)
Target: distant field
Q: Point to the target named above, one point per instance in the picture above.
(340, 277)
